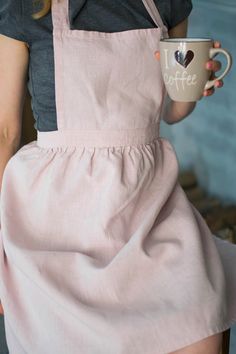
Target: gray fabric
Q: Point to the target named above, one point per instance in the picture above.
(90, 15)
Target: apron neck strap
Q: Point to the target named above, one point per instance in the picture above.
(60, 14)
(154, 13)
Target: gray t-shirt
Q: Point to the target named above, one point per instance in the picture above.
(90, 15)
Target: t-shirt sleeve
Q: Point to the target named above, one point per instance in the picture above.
(11, 19)
(177, 12)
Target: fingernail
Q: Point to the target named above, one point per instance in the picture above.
(218, 84)
(209, 65)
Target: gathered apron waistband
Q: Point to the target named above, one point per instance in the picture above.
(98, 138)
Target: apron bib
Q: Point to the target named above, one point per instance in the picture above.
(109, 89)
(101, 251)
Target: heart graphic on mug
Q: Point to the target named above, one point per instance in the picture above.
(184, 59)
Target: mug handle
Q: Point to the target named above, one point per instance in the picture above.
(213, 53)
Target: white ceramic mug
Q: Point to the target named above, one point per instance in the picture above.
(183, 65)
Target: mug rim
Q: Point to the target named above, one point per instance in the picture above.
(187, 40)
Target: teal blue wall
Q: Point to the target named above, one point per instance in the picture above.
(206, 140)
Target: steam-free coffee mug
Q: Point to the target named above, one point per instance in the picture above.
(183, 65)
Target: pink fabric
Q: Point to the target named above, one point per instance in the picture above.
(101, 251)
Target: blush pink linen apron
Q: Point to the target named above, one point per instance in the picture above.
(101, 251)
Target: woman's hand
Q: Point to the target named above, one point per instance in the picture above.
(213, 66)
(1, 309)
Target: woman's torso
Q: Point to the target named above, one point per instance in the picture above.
(90, 15)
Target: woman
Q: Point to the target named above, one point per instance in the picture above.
(101, 250)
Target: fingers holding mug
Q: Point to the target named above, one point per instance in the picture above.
(214, 66)
(157, 55)
(188, 67)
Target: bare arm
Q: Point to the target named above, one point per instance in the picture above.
(14, 58)
(177, 111)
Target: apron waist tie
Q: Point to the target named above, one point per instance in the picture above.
(98, 138)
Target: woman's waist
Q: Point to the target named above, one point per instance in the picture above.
(98, 137)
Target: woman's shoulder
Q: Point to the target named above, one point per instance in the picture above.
(174, 11)
(12, 6)
(11, 19)
(16, 20)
